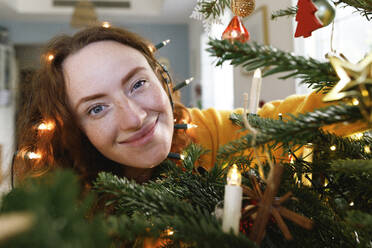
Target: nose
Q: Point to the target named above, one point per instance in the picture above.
(130, 115)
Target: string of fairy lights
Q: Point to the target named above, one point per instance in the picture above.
(47, 126)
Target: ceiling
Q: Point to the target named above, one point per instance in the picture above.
(140, 11)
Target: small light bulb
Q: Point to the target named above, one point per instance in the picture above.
(170, 232)
(364, 92)
(46, 126)
(50, 57)
(355, 101)
(333, 148)
(367, 149)
(357, 136)
(351, 204)
(33, 155)
(106, 24)
(233, 176)
(191, 126)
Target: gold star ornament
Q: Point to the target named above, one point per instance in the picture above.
(354, 84)
(352, 76)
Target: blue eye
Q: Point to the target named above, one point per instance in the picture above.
(138, 85)
(96, 110)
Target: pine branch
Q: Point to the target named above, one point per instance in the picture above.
(352, 166)
(193, 228)
(300, 130)
(60, 214)
(129, 197)
(290, 11)
(351, 180)
(193, 152)
(174, 183)
(214, 8)
(364, 7)
(363, 223)
(316, 74)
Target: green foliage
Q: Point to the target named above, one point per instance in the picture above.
(291, 11)
(178, 199)
(214, 8)
(184, 200)
(352, 180)
(59, 214)
(297, 130)
(364, 7)
(250, 56)
(362, 222)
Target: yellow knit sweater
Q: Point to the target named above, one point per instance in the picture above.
(216, 129)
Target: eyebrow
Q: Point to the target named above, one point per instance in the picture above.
(131, 73)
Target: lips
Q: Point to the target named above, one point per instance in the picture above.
(143, 135)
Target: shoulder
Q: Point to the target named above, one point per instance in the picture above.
(211, 114)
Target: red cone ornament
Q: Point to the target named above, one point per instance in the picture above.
(235, 31)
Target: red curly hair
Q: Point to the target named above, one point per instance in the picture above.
(65, 145)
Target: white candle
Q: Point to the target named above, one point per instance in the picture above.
(255, 91)
(232, 203)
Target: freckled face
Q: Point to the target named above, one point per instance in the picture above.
(119, 103)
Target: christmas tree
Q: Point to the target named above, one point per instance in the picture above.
(319, 197)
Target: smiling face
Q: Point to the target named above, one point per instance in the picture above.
(119, 103)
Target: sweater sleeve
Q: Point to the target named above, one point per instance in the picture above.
(300, 104)
(216, 129)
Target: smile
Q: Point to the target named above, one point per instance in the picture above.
(143, 136)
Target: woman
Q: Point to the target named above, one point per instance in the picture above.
(104, 97)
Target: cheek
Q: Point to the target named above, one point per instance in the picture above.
(99, 133)
(157, 99)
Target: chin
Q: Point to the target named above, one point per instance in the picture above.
(151, 160)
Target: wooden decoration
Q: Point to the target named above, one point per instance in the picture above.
(84, 15)
(269, 205)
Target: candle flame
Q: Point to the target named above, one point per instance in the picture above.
(234, 176)
(257, 73)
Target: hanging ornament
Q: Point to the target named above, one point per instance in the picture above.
(307, 22)
(354, 85)
(235, 31)
(265, 206)
(326, 11)
(312, 15)
(242, 8)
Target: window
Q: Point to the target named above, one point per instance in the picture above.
(352, 36)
